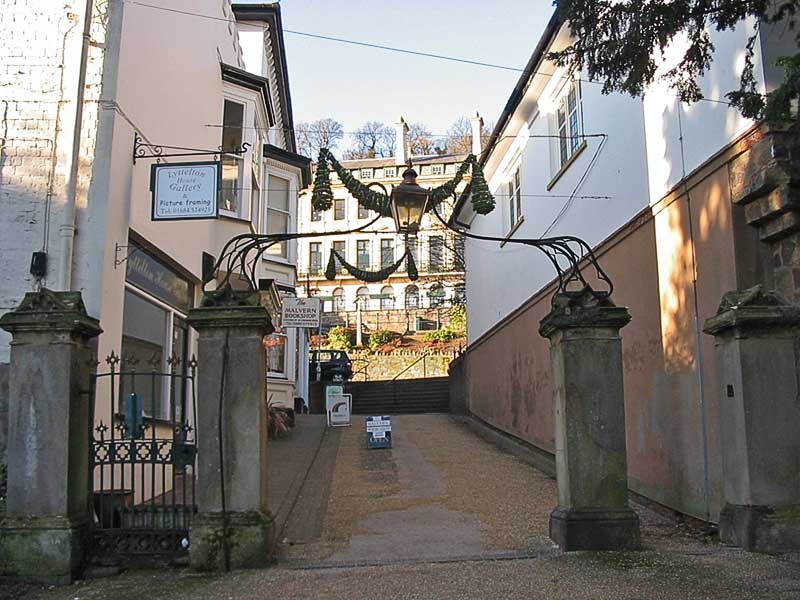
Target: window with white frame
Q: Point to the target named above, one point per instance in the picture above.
(233, 116)
(278, 190)
(315, 258)
(514, 198)
(437, 169)
(338, 300)
(389, 171)
(366, 174)
(362, 254)
(387, 297)
(569, 122)
(255, 185)
(340, 246)
(338, 209)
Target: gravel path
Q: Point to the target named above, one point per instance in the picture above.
(446, 515)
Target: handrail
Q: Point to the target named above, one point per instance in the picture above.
(423, 357)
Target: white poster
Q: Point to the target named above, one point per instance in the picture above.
(300, 312)
(185, 191)
(339, 412)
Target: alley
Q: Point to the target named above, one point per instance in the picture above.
(444, 514)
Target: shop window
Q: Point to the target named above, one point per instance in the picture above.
(276, 354)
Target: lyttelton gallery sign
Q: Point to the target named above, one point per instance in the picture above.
(185, 190)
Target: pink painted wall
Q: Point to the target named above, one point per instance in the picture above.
(672, 390)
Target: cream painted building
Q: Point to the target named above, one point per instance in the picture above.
(437, 252)
(172, 77)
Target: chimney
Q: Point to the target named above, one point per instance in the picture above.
(477, 127)
(401, 150)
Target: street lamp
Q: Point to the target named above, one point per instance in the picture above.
(409, 202)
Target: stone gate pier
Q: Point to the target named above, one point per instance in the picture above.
(233, 525)
(591, 464)
(47, 510)
(757, 338)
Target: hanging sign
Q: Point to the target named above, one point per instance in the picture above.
(300, 312)
(185, 190)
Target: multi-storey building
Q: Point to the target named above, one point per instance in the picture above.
(398, 302)
(84, 199)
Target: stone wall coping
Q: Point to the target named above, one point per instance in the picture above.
(583, 317)
(47, 310)
(210, 317)
(753, 319)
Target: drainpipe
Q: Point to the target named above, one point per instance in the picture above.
(66, 231)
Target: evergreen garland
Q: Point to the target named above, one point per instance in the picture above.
(367, 197)
(322, 195)
(361, 274)
(481, 197)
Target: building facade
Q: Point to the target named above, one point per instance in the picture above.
(397, 303)
(160, 79)
(675, 203)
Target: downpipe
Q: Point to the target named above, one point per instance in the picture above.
(66, 231)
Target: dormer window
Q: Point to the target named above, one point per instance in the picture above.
(437, 169)
(366, 174)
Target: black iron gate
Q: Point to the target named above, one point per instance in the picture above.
(142, 459)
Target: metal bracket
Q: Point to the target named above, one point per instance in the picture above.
(145, 150)
(119, 248)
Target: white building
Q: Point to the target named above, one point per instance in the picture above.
(437, 252)
(173, 77)
(675, 202)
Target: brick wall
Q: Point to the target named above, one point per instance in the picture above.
(40, 41)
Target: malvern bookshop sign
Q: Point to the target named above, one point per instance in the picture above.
(185, 190)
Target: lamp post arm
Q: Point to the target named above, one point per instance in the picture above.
(241, 253)
(569, 248)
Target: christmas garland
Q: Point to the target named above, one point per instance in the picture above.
(370, 276)
(322, 195)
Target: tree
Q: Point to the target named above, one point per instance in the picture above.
(459, 136)
(373, 139)
(422, 141)
(322, 133)
(620, 43)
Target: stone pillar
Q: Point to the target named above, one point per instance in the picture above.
(231, 364)
(757, 337)
(591, 466)
(47, 505)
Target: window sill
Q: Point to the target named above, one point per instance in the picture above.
(235, 219)
(513, 230)
(578, 151)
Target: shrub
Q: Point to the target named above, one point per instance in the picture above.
(458, 318)
(277, 421)
(379, 338)
(340, 338)
(442, 335)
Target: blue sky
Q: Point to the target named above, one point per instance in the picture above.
(355, 84)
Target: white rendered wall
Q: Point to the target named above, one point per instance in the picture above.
(500, 279)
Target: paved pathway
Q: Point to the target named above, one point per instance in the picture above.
(446, 515)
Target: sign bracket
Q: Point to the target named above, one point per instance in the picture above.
(119, 248)
(144, 150)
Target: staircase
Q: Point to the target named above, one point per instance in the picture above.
(400, 396)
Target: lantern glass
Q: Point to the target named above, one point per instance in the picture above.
(409, 202)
